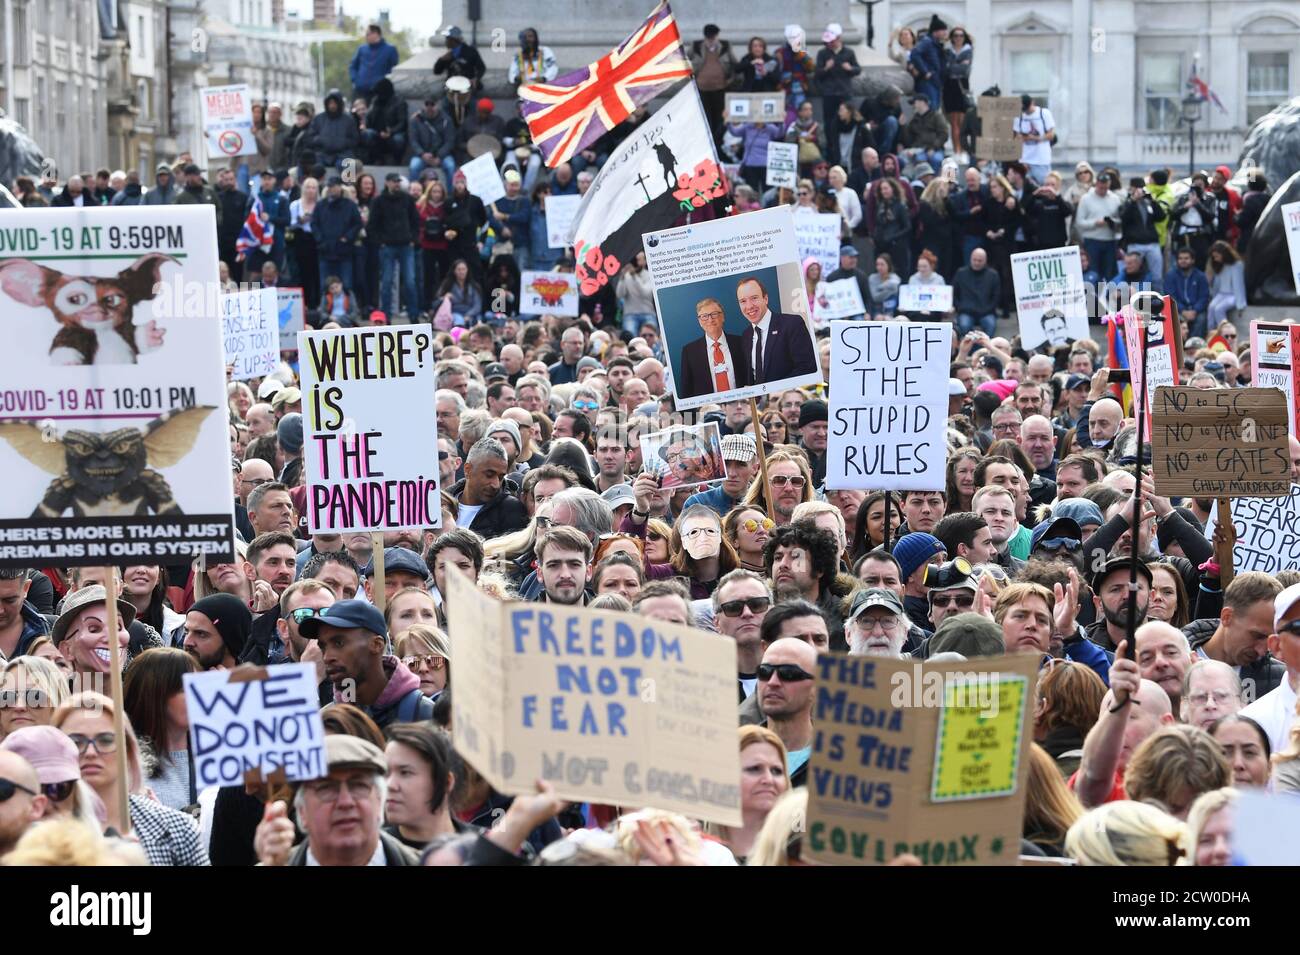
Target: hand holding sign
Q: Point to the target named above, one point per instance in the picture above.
(275, 834)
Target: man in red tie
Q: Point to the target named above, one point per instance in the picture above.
(714, 363)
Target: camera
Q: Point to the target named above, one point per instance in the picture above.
(952, 574)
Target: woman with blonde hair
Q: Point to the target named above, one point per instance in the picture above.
(167, 836)
(763, 781)
(1126, 833)
(426, 652)
(31, 689)
(1050, 808)
(850, 203)
(224, 578)
(780, 840)
(938, 234)
(1209, 829)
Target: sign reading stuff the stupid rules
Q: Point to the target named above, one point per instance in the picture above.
(114, 442)
(370, 429)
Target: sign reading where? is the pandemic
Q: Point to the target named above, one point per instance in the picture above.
(113, 426)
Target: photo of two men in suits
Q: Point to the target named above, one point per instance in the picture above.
(773, 347)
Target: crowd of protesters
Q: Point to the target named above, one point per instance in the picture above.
(1140, 742)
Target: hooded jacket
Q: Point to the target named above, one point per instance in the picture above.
(502, 515)
(436, 135)
(387, 112)
(1262, 676)
(337, 223)
(160, 194)
(132, 194)
(333, 134)
(400, 701)
(394, 219)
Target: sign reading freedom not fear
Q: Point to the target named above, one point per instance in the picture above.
(888, 405)
(370, 429)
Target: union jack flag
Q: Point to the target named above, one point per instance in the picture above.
(568, 115)
(255, 234)
(1203, 91)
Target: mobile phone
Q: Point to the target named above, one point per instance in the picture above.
(1118, 376)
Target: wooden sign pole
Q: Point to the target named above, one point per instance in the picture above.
(377, 580)
(762, 459)
(1227, 539)
(112, 624)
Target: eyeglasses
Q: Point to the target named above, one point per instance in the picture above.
(883, 624)
(302, 614)
(780, 480)
(756, 605)
(1010, 427)
(692, 453)
(104, 743)
(788, 672)
(327, 790)
(430, 660)
(255, 482)
(585, 405)
(752, 525)
(710, 314)
(8, 787)
(57, 792)
(698, 532)
(1221, 697)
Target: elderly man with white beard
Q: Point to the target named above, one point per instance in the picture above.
(877, 625)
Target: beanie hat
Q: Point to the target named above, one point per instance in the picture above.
(811, 411)
(507, 426)
(289, 433)
(937, 24)
(1002, 387)
(232, 619)
(970, 634)
(913, 550)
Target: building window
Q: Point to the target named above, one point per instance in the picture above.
(1031, 72)
(22, 42)
(1267, 82)
(1162, 89)
(22, 111)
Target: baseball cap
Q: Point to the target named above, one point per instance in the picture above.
(970, 634)
(739, 447)
(874, 597)
(618, 495)
(400, 560)
(286, 396)
(346, 615)
(393, 177)
(588, 362)
(1282, 605)
(1118, 563)
(848, 250)
(269, 387)
(494, 370)
(343, 751)
(1080, 510)
(955, 388)
(511, 175)
(1075, 381)
(48, 750)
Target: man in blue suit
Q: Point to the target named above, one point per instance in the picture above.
(714, 363)
(777, 346)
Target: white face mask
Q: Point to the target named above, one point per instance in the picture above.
(702, 546)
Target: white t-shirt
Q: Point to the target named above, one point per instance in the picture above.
(466, 513)
(1274, 712)
(1040, 153)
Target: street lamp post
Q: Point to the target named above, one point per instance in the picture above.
(1191, 116)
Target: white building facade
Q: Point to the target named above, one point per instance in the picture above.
(1114, 72)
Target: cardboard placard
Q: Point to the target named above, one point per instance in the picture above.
(714, 282)
(783, 165)
(483, 179)
(997, 139)
(226, 113)
(1275, 362)
(818, 235)
(1050, 303)
(609, 707)
(255, 725)
(755, 107)
(927, 759)
(888, 401)
(250, 333)
(369, 420)
(1268, 532)
(112, 362)
(548, 293)
(925, 298)
(560, 212)
(1222, 442)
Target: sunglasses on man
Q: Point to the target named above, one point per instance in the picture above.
(788, 672)
(734, 608)
(8, 787)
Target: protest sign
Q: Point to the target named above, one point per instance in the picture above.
(483, 179)
(997, 139)
(608, 707)
(1265, 827)
(1275, 355)
(713, 282)
(1291, 220)
(928, 759)
(560, 211)
(783, 165)
(818, 235)
(1268, 532)
(1050, 301)
(292, 314)
(925, 298)
(755, 107)
(1163, 350)
(841, 299)
(114, 438)
(255, 725)
(548, 293)
(685, 456)
(888, 402)
(227, 117)
(369, 418)
(1220, 442)
(250, 333)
